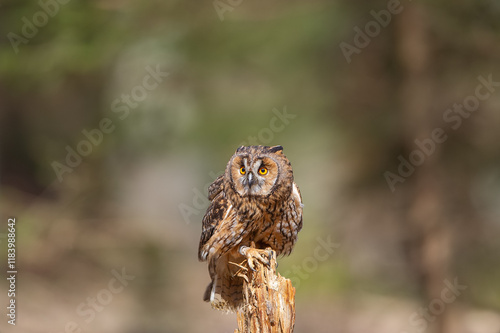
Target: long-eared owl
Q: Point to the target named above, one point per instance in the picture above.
(255, 204)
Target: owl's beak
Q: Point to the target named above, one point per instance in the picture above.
(251, 180)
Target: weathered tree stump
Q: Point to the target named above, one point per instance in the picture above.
(268, 301)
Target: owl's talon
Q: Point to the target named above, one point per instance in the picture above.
(251, 264)
(271, 257)
(253, 254)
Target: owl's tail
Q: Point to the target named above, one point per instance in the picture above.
(225, 293)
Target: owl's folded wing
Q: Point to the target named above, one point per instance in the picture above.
(214, 215)
(216, 187)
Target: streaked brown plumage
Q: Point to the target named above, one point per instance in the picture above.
(255, 202)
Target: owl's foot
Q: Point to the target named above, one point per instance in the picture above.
(252, 254)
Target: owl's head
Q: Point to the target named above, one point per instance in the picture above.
(259, 171)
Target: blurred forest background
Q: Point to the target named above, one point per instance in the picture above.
(106, 158)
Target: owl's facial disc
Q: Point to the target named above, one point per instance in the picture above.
(255, 176)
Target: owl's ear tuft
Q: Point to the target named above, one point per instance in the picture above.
(240, 148)
(276, 149)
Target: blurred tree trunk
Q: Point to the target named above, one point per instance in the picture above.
(429, 234)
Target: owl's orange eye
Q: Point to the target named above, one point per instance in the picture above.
(243, 170)
(263, 171)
